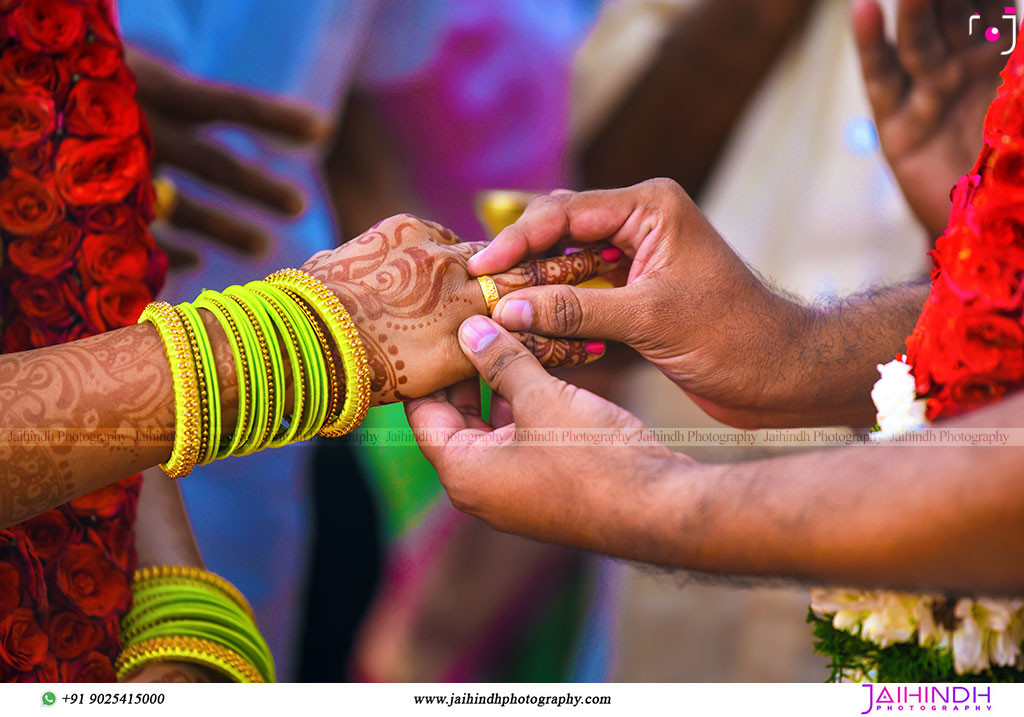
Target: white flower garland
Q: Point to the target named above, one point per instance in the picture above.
(985, 632)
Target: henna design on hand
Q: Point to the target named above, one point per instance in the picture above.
(557, 353)
(407, 287)
(573, 268)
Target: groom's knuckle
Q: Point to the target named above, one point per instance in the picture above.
(566, 312)
(505, 357)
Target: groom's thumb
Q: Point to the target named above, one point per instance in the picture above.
(506, 365)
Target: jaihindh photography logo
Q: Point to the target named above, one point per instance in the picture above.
(947, 698)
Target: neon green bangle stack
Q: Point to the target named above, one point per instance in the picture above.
(274, 330)
(185, 614)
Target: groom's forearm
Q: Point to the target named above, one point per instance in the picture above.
(944, 518)
(817, 365)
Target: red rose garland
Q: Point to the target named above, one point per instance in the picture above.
(78, 259)
(967, 349)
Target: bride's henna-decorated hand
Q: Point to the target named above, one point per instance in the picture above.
(406, 285)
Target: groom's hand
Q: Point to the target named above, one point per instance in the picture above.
(690, 305)
(553, 461)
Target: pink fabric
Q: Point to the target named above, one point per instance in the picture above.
(489, 110)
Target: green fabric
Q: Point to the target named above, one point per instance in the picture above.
(404, 483)
(545, 653)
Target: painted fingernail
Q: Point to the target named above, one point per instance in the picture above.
(516, 315)
(611, 254)
(477, 332)
(572, 250)
(594, 347)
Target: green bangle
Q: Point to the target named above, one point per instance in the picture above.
(259, 409)
(255, 653)
(270, 350)
(208, 367)
(142, 610)
(222, 310)
(212, 609)
(287, 332)
(308, 421)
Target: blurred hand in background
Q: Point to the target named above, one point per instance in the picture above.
(929, 92)
(179, 109)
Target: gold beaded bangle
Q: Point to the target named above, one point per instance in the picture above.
(201, 385)
(187, 649)
(334, 400)
(188, 573)
(346, 337)
(187, 439)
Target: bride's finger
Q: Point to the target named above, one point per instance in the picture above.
(561, 353)
(568, 269)
(467, 249)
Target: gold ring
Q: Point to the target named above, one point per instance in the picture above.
(490, 290)
(166, 201)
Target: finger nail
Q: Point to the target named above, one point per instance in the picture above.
(516, 315)
(594, 347)
(611, 254)
(477, 332)
(572, 250)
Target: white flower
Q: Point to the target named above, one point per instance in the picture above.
(893, 622)
(968, 643)
(899, 409)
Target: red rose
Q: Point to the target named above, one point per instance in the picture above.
(45, 672)
(8, 5)
(1004, 117)
(48, 25)
(990, 344)
(106, 257)
(72, 635)
(100, 108)
(91, 582)
(95, 59)
(25, 120)
(100, 171)
(94, 667)
(46, 255)
(34, 159)
(10, 589)
(47, 534)
(98, 14)
(22, 643)
(989, 272)
(117, 538)
(110, 219)
(103, 503)
(26, 72)
(27, 206)
(966, 394)
(156, 272)
(111, 306)
(22, 335)
(42, 300)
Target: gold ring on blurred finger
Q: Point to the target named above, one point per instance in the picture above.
(166, 197)
(490, 290)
